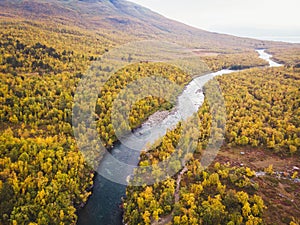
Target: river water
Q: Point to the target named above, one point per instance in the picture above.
(102, 207)
(267, 57)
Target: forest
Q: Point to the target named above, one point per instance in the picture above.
(289, 56)
(221, 195)
(234, 61)
(44, 177)
(267, 114)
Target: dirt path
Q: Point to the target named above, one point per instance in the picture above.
(167, 219)
(176, 195)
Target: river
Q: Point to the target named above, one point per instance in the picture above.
(102, 207)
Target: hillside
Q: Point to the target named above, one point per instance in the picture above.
(113, 19)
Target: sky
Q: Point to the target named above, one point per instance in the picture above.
(269, 19)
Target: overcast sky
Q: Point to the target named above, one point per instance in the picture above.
(256, 18)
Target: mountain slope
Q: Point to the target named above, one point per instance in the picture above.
(115, 17)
